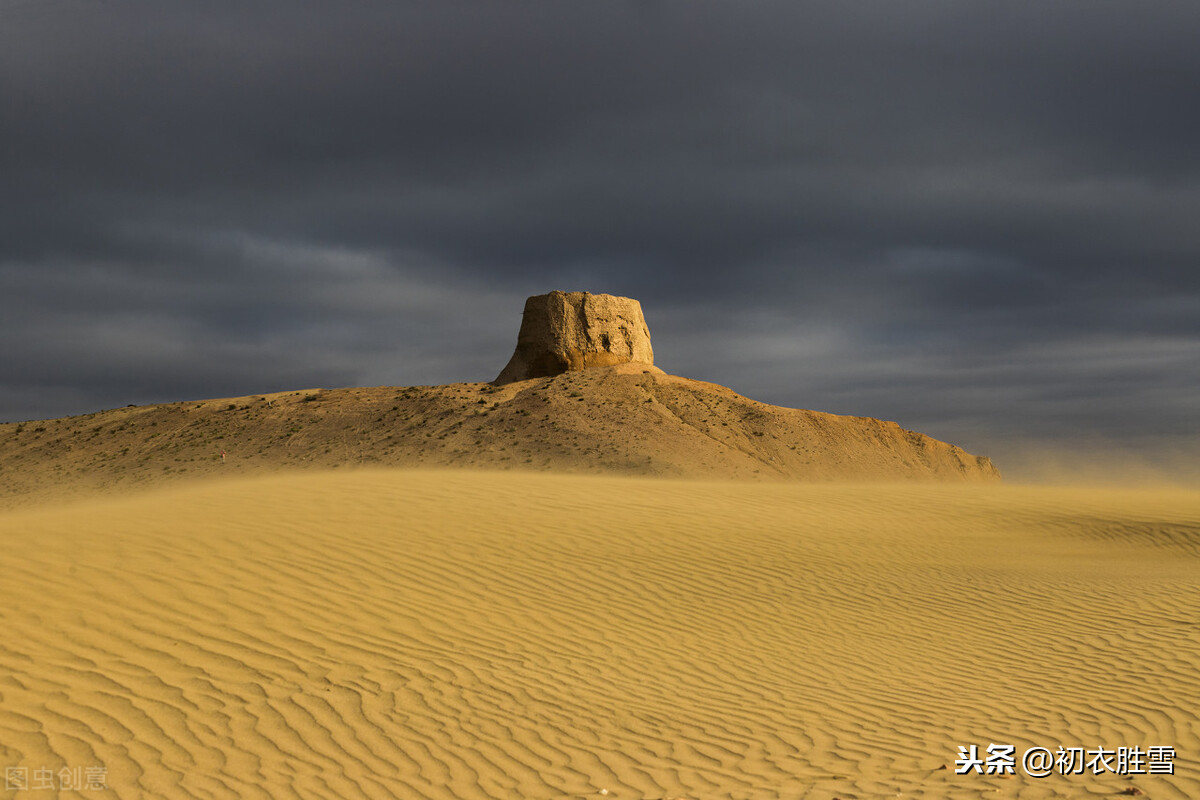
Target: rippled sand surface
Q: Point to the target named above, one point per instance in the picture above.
(426, 634)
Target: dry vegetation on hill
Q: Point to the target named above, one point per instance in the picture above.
(629, 419)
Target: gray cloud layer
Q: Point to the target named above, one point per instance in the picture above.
(976, 219)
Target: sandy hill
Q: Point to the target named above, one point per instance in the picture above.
(580, 394)
(628, 418)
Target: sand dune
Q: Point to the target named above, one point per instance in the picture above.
(431, 634)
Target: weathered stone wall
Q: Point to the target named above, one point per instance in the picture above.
(564, 331)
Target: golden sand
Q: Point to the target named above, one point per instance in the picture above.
(429, 634)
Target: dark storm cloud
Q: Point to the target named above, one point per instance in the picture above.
(978, 219)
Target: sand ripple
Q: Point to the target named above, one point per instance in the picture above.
(465, 635)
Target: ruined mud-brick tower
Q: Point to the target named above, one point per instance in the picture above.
(564, 331)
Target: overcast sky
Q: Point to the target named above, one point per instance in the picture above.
(979, 219)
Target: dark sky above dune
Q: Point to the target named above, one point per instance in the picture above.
(981, 220)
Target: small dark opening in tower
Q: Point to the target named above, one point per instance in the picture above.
(604, 341)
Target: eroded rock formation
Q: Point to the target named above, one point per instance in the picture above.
(565, 331)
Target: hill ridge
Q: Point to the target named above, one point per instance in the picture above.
(629, 418)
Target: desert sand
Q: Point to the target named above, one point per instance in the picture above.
(427, 633)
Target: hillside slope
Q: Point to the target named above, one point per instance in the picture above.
(627, 418)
